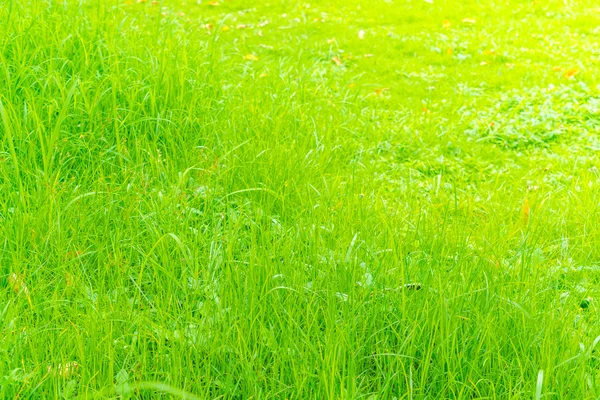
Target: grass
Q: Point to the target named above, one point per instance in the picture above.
(334, 200)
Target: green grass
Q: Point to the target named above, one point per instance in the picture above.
(238, 200)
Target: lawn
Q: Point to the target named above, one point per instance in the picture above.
(344, 199)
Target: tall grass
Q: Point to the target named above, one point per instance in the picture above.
(179, 219)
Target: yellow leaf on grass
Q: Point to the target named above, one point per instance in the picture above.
(225, 28)
(251, 57)
(469, 21)
(73, 254)
(213, 3)
(525, 211)
(17, 284)
(446, 24)
(571, 72)
(69, 280)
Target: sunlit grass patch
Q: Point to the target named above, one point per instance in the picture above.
(233, 199)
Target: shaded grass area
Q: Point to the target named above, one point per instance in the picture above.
(241, 200)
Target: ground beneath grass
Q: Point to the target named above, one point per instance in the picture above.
(350, 199)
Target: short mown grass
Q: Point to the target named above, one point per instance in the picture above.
(335, 200)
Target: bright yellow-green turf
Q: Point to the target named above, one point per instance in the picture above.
(351, 199)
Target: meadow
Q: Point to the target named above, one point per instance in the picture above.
(343, 199)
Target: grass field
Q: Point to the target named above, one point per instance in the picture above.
(344, 199)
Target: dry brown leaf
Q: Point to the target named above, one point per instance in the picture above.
(65, 370)
(337, 61)
(17, 282)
